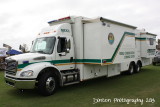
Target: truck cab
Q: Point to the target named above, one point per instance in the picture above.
(52, 50)
(57, 42)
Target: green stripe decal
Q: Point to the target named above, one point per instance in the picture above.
(84, 60)
(52, 62)
(87, 60)
(138, 38)
(64, 62)
(118, 47)
(23, 65)
(60, 61)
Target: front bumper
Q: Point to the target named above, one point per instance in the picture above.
(20, 83)
(156, 59)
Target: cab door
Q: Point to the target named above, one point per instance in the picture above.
(65, 53)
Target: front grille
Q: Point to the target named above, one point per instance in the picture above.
(11, 67)
(11, 72)
(10, 83)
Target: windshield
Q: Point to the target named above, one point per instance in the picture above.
(43, 45)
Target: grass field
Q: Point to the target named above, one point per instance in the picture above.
(143, 85)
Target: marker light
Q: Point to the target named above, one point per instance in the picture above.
(65, 18)
(104, 61)
(61, 19)
(46, 32)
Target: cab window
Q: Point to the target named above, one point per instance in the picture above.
(64, 45)
(151, 41)
(61, 45)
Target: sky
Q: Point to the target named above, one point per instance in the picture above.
(22, 20)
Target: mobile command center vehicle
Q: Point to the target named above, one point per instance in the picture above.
(74, 49)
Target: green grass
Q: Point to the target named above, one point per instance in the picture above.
(145, 84)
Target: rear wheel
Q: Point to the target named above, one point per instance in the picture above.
(154, 63)
(138, 67)
(131, 69)
(47, 84)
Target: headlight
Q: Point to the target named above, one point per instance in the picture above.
(26, 74)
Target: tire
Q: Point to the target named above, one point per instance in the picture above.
(154, 63)
(131, 69)
(138, 67)
(47, 84)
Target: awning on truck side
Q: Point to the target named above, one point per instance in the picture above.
(151, 34)
(107, 20)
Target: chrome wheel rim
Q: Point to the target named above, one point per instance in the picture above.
(138, 68)
(131, 70)
(50, 84)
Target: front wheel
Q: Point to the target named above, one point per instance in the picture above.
(47, 84)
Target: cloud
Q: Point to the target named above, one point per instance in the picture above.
(22, 20)
(4, 18)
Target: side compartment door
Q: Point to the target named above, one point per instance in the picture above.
(65, 53)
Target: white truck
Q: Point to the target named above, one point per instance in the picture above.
(75, 49)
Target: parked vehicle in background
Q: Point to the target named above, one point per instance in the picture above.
(2, 57)
(156, 59)
(13, 52)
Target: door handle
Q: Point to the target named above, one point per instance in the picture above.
(71, 59)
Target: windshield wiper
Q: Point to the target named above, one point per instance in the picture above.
(41, 52)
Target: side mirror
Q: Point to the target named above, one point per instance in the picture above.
(20, 47)
(59, 37)
(67, 50)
